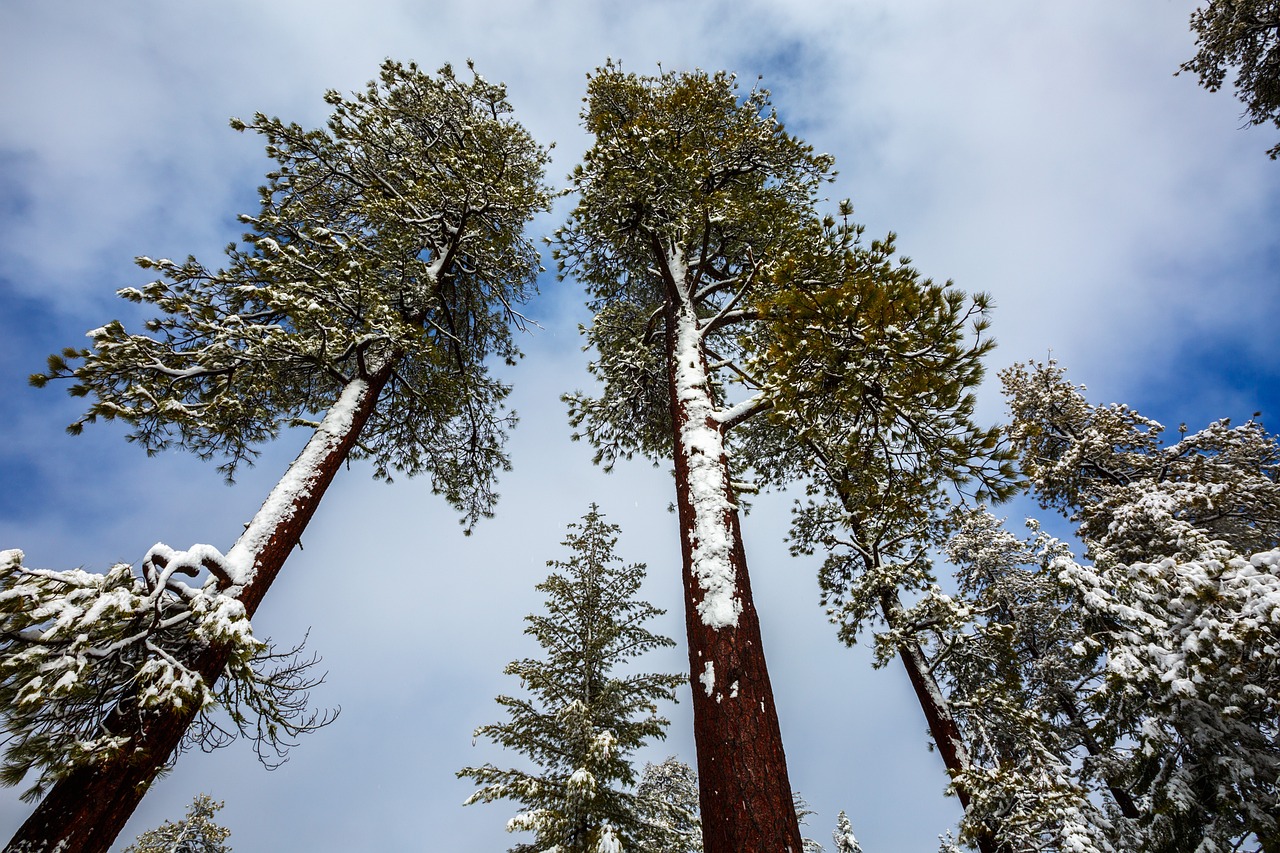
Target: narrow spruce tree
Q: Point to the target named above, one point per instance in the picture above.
(843, 837)
(582, 720)
(379, 278)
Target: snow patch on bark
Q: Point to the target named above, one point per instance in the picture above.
(708, 677)
(295, 485)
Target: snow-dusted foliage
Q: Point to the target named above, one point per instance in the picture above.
(1114, 706)
(79, 651)
(1004, 650)
(872, 369)
(195, 833)
(1190, 702)
(668, 800)
(1128, 702)
(581, 721)
(691, 200)
(1135, 497)
(379, 277)
(843, 836)
(807, 845)
(1241, 37)
(388, 245)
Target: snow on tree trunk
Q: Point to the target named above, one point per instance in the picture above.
(87, 809)
(744, 790)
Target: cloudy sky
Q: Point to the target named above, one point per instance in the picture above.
(1044, 152)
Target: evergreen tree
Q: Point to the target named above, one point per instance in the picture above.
(582, 720)
(380, 274)
(1004, 650)
(196, 833)
(1127, 703)
(668, 800)
(691, 201)
(843, 836)
(1243, 35)
(1181, 604)
(872, 370)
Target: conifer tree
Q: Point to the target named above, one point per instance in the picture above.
(196, 833)
(690, 202)
(872, 370)
(1244, 36)
(1003, 648)
(382, 271)
(1126, 703)
(583, 719)
(843, 836)
(668, 799)
(1181, 606)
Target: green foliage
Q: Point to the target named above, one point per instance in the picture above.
(871, 370)
(668, 799)
(1134, 497)
(1005, 648)
(1243, 35)
(581, 721)
(196, 833)
(391, 239)
(75, 645)
(684, 166)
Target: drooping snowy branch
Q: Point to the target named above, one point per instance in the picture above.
(79, 649)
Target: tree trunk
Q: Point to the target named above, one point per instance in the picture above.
(87, 809)
(937, 711)
(1124, 801)
(744, 791)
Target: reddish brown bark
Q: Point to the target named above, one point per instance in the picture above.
(744, 791)
(937, 713)
(87, 809)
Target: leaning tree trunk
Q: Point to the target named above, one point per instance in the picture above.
(85, 810)
(744, 791)
(937, 713)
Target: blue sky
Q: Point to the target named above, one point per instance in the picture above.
(1119, 215)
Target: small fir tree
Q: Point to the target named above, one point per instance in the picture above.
(845, 842)
(581, 722)
(196, 833)
(668, 797)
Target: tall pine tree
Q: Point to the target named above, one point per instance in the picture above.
(690, 202)
(381, 273)
(583, 719)
(871, 368)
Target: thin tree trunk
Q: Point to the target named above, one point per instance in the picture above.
(87, 809)
(937, 711)
(744, 791)
(1123, 800)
